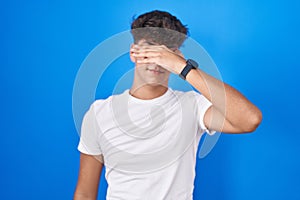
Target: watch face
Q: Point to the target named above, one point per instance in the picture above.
(193, 63)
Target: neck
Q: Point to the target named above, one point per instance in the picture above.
(148, 91)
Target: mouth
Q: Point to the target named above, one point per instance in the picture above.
(155, 71)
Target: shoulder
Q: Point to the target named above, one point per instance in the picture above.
(104, 104)
(188, 94)
(191, 97)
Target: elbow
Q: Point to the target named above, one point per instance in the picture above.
(253, 122)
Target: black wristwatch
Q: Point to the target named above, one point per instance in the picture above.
(190, 64)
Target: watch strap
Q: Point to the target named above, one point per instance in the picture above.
(189, 66)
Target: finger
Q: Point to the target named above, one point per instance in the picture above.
(155, 52)
(146, 48)
(153, 47)
(146, 60)
(146, 54)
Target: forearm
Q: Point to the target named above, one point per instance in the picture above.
(81, 196)
(234, 106)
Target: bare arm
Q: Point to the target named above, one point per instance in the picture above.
(231, 112)
(89, 176)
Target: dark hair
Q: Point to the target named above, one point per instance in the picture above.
(159, 27)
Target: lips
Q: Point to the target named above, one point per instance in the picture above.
(154, 69)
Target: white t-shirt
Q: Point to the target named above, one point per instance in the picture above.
(149, 146)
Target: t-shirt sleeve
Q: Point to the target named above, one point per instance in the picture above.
(203, 104)
(89, 143)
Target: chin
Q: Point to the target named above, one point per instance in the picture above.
(146, 77)
(156, 83)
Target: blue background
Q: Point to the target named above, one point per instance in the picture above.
(255, 45)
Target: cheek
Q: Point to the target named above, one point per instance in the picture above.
(140, 69)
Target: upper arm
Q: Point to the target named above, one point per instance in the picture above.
(89, 176)
(214, 120)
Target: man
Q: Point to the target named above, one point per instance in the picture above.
(147, 137)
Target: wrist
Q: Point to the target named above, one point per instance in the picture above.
(180, 66)
(189, 66)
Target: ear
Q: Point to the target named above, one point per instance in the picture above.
(133, 59)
